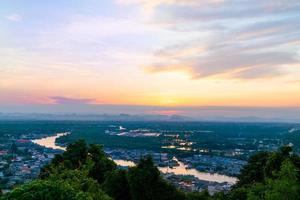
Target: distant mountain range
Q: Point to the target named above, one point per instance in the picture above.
(130, 117)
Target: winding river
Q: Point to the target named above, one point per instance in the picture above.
(49, 142)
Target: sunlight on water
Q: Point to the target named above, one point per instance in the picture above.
(124, 163)
(182, 170)
(49, 142)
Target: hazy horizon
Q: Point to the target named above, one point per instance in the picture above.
(213, 113)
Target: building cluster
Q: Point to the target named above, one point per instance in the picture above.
(190, 183)
(183, 181)
(160, 159)
(215, 164)
(21, 161)
(121, 131)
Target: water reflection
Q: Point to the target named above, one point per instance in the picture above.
(182, 170)
(124, 163)
(49, 142)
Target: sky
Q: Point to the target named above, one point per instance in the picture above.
(166, 54)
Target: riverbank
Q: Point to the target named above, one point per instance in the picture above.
(181, 169)
(50, 141)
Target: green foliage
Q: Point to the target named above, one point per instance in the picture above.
(80, 170)
(275, 160)
(287, 187)
(250, 173)
(239, 193)
(79, 180)
(46, 190)
(84, 172)
(117, 186)
(76, 153)
(68, 176)
(147, 184)
(219, 196)
(61, 184)
(102, 165)
(269, 176)
(198, 196)
(96, 152)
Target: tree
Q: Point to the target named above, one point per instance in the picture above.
(204, 195)
(253, 172)
(85, 173)
(78, 179)
(45, 190)
(269, 176)
(96, 152)
(76, 153)
(102, 164)
(239, 193)
(117, 186)
(275, 161)
(287, 186)
(146, 183)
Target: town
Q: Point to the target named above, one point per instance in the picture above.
(21, 161)
(191, 158)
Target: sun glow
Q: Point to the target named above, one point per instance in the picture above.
(113, 54)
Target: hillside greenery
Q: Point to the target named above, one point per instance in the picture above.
(84, 172)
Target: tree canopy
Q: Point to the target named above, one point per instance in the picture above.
(84, 172)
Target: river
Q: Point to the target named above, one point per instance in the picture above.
(49, 142)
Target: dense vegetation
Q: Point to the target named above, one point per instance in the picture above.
(205, 135)
(84, 172)
(269, 176)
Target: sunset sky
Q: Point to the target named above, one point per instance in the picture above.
(165, 53)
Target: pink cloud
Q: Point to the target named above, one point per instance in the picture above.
(165, 112)
(69, 100)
